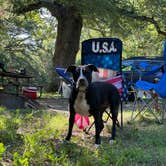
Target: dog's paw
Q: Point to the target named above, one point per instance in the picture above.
(111, 142)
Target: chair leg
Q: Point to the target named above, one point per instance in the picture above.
(150, 105)
(163, 109)
(145, 106)
(60, 87)
(137, 107)
(86, 130)
(110, 117)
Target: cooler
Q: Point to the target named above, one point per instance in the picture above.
(30, 92)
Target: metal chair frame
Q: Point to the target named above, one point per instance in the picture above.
(142, 105)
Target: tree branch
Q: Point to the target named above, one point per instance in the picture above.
(151, 20)
(52, 6)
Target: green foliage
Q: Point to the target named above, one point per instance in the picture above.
(41, 134)
(26, 44)
(28, 40)
(8, 127)
(19, 160)
(139, 37)
(2, 150)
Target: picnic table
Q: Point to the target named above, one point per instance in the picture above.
(17, 90)
(17, 80)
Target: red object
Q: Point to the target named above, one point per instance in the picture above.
(105, 73)
(116, 81)
(81, 121)
(30, 92)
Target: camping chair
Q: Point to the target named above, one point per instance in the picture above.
(66, 82)
(106, 54)
(151, 93)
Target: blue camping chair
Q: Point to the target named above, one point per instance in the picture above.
(106, 54)
(66, 82)
(65, 75)
(154, 91)
(159, 87)
(149, 96)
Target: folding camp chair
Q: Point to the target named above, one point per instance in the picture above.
(147, 99)
(106, 54)
(150, 92)
(66, 82)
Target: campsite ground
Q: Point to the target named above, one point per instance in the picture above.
(54, 103)
(61, 104)
(35, 137)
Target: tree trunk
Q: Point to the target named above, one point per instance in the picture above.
(67, 42)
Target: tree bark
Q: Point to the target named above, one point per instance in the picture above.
(67, 42)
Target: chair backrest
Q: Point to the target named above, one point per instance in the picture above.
(103, 53)
(160, 87)
(106, 54)
(66, 76)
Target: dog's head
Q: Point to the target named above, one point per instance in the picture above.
(82, 75)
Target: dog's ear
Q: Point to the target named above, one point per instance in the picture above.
(71, 68)
(93, 68)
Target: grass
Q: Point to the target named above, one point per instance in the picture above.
(50, 95)
(29, 137)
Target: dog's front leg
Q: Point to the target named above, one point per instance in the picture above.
(71, 123)
(98, 122)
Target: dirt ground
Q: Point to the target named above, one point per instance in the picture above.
(57, 104)
(61, 104)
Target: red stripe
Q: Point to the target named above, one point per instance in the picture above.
(116, 81)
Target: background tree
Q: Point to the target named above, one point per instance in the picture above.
(26, 44)
(129, 20)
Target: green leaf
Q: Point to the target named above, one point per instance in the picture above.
(2, 150)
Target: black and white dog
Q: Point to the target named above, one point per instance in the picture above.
(92, 98)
